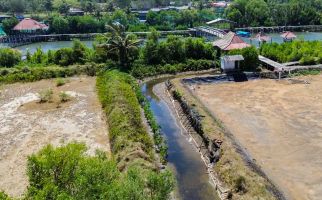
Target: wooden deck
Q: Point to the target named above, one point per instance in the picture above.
(286, 67)
(271, 64)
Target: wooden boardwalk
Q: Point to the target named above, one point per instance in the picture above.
(286, 67)
(271, 64)
(209, 31)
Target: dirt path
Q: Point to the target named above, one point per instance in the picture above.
(279, 124)
(26, 126)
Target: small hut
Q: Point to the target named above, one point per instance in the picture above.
(230, 63)
(288, 36)
(28, 25)
(230, 41)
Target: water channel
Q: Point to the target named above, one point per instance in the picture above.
(183, 159)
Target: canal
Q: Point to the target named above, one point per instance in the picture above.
(183, 159)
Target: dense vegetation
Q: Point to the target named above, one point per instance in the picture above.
(68, 173)
(130, 141)
(307, 52)
(275, 12)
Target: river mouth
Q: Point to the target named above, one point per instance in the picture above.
(184, 160)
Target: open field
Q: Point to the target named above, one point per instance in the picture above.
(279, 125)
(26, 125)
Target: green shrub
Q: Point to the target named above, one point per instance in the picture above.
(9, 57)
(126, 130)
(4, 196)
(68, 173)
(60, 82)
(46, 95)
(64, 57)
(307, 52)
(140, 70)
(64, 97)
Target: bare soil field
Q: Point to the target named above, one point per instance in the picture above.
(27, 125)
(279, 123)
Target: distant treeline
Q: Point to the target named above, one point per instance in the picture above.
(275, 12)
(89, 6)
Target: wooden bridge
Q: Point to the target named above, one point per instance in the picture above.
(272, 65)
(286, 67)
(208, 31)
(23, 39)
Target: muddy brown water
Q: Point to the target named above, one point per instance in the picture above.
(190, 171)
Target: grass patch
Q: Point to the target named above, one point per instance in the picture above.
(306, 72)
(46, 96)
(64, 97)
(60, 82)
(30, 74)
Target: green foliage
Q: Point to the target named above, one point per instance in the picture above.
(307, 52)
(250, 55)
(60, 82)
(68, 173)
(18, 74)
(59, 25)
(176, 20)
(306, 72)
(46, 95)
(125, 46)
(274, 12)
(4, 196)
(141, 70)
(175, 49)
(38, 57)
(8, 24)
(64, 97)
(79, 52)
(9, 57)
(159, 141)
(122, 108)
(64, 57)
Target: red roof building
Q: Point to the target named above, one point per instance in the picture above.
(230, 41)
(288, 35)
(28, 24)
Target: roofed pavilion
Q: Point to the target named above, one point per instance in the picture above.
(230, 41)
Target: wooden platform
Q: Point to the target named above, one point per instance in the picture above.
(271, 64)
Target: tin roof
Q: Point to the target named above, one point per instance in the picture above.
(232, 58)
(230, 41)
(28, 24)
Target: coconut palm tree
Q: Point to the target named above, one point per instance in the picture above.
(125, 46)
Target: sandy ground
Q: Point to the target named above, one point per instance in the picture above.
(279, 124)
(26, 126)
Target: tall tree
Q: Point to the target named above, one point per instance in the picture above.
(124, 45)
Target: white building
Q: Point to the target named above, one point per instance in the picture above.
(230, 63)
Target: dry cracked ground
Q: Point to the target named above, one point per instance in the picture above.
(26, 125)
(279, 123)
